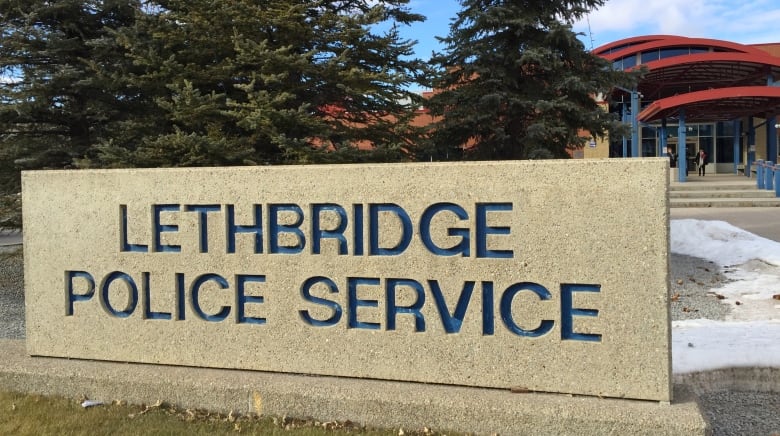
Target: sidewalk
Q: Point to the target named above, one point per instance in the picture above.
(762, 221)
(717, 178)
(10, 237)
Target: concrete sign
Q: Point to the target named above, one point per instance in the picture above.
(539, 276)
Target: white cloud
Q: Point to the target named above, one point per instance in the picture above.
(739, 21)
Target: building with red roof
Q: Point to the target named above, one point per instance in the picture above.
(718, 96)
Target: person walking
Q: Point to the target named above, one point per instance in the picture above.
(701, 162)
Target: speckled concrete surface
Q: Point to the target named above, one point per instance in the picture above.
(736, 401)
(581, 223)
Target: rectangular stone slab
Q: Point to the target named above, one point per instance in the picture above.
(538, 275)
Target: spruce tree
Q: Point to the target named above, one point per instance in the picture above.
(274, 81)
(59, 93)
(517, 83)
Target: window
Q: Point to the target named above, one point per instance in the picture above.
(726, 150)
(616, 148)
(671, 52)
(648, 147)
(629, 62)
(650, 56)
(725, 128)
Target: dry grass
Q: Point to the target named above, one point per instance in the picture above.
(22, 414)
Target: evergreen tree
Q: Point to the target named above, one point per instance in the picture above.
(59, 91)
(254, 82)
(117, 83)
(517, 83)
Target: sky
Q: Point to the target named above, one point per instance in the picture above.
(743, 21)
(747, 22)
(749, 336)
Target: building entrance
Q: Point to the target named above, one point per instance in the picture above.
(716, 139)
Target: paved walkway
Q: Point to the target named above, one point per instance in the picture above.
(10, 237)
(717, 178)
(762, 221)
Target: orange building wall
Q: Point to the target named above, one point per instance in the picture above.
(773, 49)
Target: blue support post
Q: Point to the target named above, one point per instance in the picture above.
(751, 144)
(624, 118)
(662, 138)
(682, 156)
(771, 122)
(771, 138)
(760, 174)
(769, 175)
(634, 124)
(737, 139)
(777, 181)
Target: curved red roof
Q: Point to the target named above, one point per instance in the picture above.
(698, 72)
(626, 42)
(716, 104)
(636, 45)
(716, 81)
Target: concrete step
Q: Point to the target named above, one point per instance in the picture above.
(739, 193)
(719, 190)
(724, 202)
(749, 185)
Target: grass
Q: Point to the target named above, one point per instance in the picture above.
(23, 414)
(26, 414)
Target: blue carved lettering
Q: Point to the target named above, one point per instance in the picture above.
(256, 227)
(71, 295)
(415, 309)
(462, 247)
(317, 233)
(334, 306)
(483, 230)
(242, 299)
(195, 294)
(159, 228)
(123, 245)
(357, 229)
(506, 309)
(276, 229)
(354, 303)
(568, 312)
(452, 322)
(148, 313)
(488, 312)
(203, 223)
(406, 229)
(104, 294)
(180, 298)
